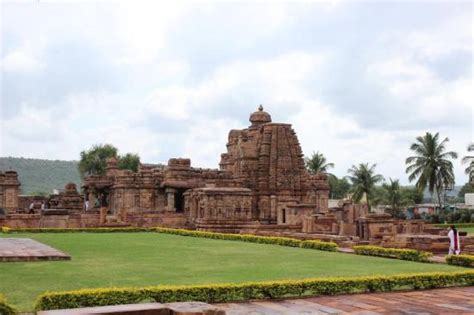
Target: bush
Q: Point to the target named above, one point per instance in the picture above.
(314, 244)
(218, 293)
(398, 253)
(283, 241)
(458, 225)
(75, 230)
(5, 229)
(457, 217)
(5, 308)
(461, 260)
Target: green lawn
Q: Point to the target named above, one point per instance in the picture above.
(469, 230)
(141, 259)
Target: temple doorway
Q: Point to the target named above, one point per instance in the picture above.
(179, 199)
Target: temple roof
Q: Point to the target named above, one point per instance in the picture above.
(260, 117)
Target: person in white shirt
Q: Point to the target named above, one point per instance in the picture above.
(454, 244)
(32, 208)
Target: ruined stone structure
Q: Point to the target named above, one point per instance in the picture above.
(9, 190)
(261, 187)
(69, 199)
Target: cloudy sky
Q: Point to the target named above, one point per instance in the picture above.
(358, 80)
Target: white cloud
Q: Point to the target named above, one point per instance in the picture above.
(21, 61)
(276, 80)
(32, 125)
(144, 27)
(173, 78)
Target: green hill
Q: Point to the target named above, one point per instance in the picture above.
(41, 176)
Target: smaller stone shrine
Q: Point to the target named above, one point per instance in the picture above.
(9, 190)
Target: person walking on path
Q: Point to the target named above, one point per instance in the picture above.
(32, 208)
(454, 245)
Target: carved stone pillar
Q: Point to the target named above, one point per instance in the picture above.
(91, 199)
(273, 207)
(170, 198)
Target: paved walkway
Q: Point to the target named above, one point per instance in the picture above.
(439, 301)
(25, 249)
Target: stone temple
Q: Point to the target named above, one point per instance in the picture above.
(262, 179)
(261, 187)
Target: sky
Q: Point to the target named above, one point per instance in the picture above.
(359, 81)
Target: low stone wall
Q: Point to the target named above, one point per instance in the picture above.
(178, 308)
(432, 243)
(152, 219)
(64, 221)
(89, 220)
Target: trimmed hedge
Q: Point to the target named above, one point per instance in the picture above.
(5, 308)
(75, 230)
(218, 293)
(5, 229)
(461, 260)
(398, 253)
(282, 241)
(457, 225)
(315, 244)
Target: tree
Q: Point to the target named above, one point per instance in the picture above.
(338, 187)
(93, 161)
(466, 189)
(363, 179)
(129, 161)
(396, 197)
(412, 194)
(469, 159)
(431, 166)
(317, 163)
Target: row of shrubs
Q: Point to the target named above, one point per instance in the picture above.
(5, 308)
(461, 260)
(457, 225)
(459, 216)
(283, 241)
(398, 253)
(74, 230)
(217, 293)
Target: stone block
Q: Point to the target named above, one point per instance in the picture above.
(194, 308)
(127, 309)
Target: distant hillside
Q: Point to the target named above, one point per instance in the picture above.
(42, 176)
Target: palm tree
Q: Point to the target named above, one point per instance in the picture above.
(431, 166)
(469, 159)
(317, 163)
(396, 197)
(363, 180)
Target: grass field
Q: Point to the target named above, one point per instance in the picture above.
(142, 259)
(469, 230)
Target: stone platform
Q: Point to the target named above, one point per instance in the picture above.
(25, 249)
(438, 301)
(179, 308)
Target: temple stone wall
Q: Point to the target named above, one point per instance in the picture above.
(218, 204)
(9, 191)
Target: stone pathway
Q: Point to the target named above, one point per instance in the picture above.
(25, 249)
(438, 301)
